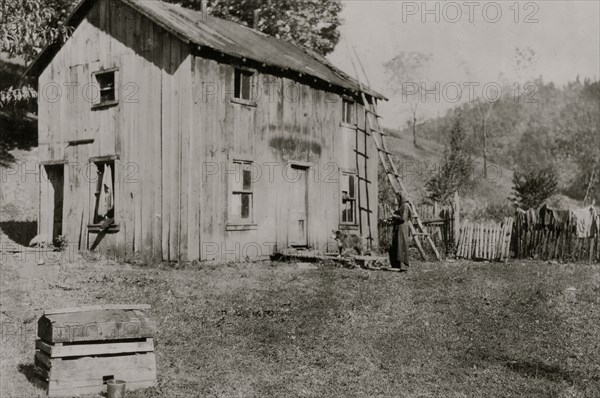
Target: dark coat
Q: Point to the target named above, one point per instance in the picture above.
(401, 236)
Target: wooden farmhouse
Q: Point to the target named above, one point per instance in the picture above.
(175, 134)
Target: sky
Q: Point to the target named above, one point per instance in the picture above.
(470, 41)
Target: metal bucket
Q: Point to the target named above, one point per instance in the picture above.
(116, 388)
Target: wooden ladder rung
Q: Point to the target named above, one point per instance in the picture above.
(365, 209)
(374, 113)
(364, 155)
(364, 179)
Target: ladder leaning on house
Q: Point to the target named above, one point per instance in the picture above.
(373, 129)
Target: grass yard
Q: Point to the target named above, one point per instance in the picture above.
(452, 329)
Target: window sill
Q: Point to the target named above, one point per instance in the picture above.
(348, 227)
(241, 227)
(244, 102)
(348, 125)
(104, 105)
(97, 228)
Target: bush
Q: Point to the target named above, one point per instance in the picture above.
(494, 212)
(60, 243)
(532, 187)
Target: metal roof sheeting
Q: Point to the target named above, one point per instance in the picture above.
(231, 39)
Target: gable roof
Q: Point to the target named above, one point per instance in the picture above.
(230, 38)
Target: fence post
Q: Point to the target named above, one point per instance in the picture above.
(456, 217)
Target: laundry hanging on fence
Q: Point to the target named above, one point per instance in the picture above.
(551, 217)
(584, 218)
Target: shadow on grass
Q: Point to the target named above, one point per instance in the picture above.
(20, 232)
(541, 370)
(33, 375)
(528, 368)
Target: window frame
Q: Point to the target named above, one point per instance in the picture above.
(95, 225)
(238, 96)
(348, 112)
(354, 199)
(239, 223)
(100, 104)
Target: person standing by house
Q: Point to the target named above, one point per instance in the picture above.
(400, 237)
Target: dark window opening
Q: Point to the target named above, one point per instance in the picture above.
(107, 85)
(242, 195)
(243, 84)
(348, 111)
(348, 187)
(104, 209)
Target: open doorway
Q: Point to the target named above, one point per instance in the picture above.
(298, 206)
(51, 201)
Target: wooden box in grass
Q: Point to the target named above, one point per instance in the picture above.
(80, 349)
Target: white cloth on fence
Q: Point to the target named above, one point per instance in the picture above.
(584, 219)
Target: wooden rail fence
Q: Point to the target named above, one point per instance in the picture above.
(485, 241)
(554, 241)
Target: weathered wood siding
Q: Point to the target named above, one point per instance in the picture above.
(144, 130)
(292, 123)
(175, 144)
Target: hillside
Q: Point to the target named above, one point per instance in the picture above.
(418, 164)
(554, 129)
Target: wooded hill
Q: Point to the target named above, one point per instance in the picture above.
(555, 126)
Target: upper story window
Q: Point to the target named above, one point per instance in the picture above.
(106, 82)
(243, 84)
(348, 111)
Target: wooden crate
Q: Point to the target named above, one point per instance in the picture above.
(79, 350)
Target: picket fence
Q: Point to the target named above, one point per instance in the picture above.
(485, 241)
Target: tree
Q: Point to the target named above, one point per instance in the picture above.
(313, 24)
(485, 111)
(579, 138)
(532, 187)
(406, 75)
(455, 171)
(27, 26)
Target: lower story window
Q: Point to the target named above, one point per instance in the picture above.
(242, 193)
(348, 195)
(104, 209)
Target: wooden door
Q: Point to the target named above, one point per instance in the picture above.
(298, 207)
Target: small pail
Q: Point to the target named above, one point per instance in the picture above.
(116, 388)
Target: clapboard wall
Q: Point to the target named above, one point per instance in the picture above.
(168, 136)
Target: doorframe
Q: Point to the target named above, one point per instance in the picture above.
(44, 179)
(306, 166)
